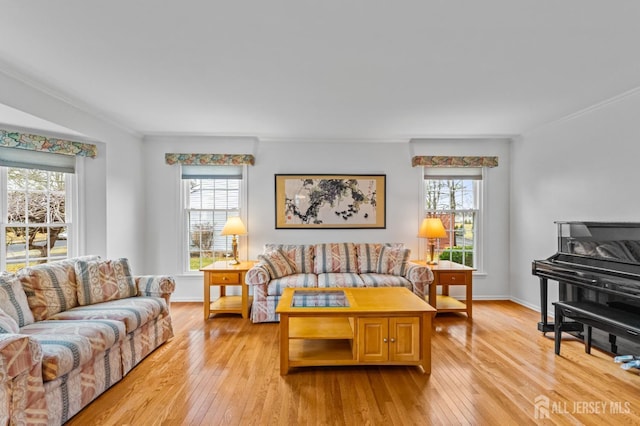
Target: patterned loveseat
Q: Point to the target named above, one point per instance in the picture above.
(71, 329)
(330, 265)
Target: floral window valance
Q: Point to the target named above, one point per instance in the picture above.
(446, 161)
(210, 159)
(30, 142)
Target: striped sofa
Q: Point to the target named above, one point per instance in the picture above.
(330, 265)
(71, 329)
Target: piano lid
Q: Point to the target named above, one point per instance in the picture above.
(613, 241)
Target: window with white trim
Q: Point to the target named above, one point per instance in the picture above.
(454, 195)
(36, 191)
(211, 194)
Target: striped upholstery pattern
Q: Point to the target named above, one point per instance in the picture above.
(104, 280)
(300, 254)
(341, 279)
(393, 260)
(13, 300)
(50, 288)
(68, 394)
(22, 399)
(7, 323)
(66, 345)
(263, 308)
(278, 285)
(420, 277)
(277, 263)
(144, 340)
(134, 312)
(368, 254)
(156, 286)
(258, 275)
(335, 257)
(385, 280)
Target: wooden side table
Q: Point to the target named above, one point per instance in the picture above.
(446, 274)
(223, 274)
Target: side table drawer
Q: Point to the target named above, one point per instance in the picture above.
(225, 278)
(452, 278)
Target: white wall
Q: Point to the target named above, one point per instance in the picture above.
(393, 159)
(582, 168)
(115, 208)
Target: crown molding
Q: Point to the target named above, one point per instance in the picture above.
(14, 73)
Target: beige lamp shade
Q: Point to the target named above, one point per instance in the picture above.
(234, 226)
(432, 227)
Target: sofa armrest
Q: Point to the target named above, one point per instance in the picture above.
(18, 355)
(156, 286)
(257, 275)
(22, 396)
(420, 276)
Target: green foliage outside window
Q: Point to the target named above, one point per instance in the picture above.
(454, 254)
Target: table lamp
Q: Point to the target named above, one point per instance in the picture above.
(234, 227)
(432, 228)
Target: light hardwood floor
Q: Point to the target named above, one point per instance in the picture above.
(492, 370)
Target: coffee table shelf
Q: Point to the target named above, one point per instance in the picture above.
(310, 352)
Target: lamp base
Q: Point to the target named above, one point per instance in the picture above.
(234, 262)
(431, 260)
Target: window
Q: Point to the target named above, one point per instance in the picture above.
(35, 218)
(454, 195)
(211, 195)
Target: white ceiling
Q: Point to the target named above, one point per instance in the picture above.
(301, 69)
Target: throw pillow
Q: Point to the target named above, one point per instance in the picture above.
(13, 300)
(393, 260)
(104, 280)
(277, 263)
(7, 323)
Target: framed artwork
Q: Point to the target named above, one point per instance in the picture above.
(330, 201)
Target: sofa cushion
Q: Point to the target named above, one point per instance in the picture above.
(13, 300)
(51, 287)
(340, 279)
(393, 260)
(104, 280)
(368, 254)
(133, 311)
(300, 254)
(277, 263)
(385, 280)
(335, 257)
(277, 286)
(7, 323)
(67, 345)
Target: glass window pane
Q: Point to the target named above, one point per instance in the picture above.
(37, 207)
(16, 204)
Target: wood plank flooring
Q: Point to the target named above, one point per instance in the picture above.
(495, 369)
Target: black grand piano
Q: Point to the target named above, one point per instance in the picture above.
(597, 268)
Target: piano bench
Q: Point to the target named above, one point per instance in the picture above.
(616, 322)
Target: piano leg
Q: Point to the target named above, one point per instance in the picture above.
(587, 342)
(612, 340)
(544, 325)
(558, 329)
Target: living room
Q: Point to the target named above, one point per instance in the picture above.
(570, 156)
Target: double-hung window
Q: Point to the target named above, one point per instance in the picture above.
(454, 195)
(211, 194)
(35, 210)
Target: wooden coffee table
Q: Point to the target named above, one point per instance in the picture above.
(354, 326)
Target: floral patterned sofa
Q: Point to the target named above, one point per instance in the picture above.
(330, 265)
(71, 329)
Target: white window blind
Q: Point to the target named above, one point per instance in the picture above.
(26, 159)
